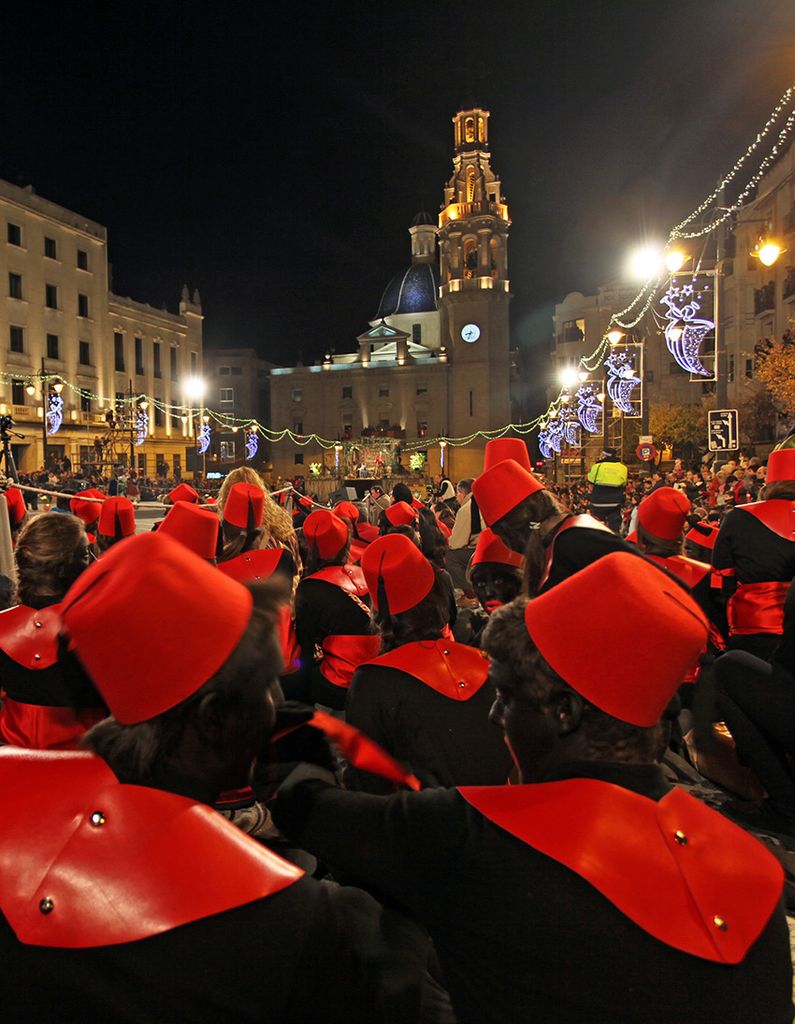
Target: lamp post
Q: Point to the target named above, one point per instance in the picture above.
(195, 389)
(45, 398)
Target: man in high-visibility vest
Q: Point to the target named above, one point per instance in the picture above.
(609, 478)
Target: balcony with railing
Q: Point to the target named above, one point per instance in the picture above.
(765, 298)
(463, 211)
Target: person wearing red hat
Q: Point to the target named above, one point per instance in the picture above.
(332, 615)
(662, 518)
(593, 890)
(424, 698)
(17, 511)
(87, 505)
(43, 706)
(182, 492)
(398, 515)
(500, 448)
(700, 540)
(116, 521)
(496, 577)
(362, 533)
(140, 894)
(197, 528)
(532, 522)
(241, 520)
(754, 559)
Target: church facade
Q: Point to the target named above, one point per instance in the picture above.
(435, 360)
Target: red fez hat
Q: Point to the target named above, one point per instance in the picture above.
(781, 465)
(490, 548)
(397, 565)
(88, 511)
(256, 566)
(117, 518)
(138, 588)
(501, 448)
(305, 502)
(401, 514)
(183, 492)
(347, 510)
(326, 531)
(16, 505)
(649, 611)
(501, 487)
(196, 528)
(664, 513)
(244, 506)
(704, 534)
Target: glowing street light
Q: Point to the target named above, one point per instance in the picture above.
(614, 336)
(195, 388)
(644, 262)
(768, 253)
(674, 260)
(567, 376)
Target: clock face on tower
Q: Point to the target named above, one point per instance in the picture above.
(470, 332)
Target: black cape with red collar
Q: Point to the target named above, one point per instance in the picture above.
(519, 932)
(575, 542)
(295, 950)
(411, 701)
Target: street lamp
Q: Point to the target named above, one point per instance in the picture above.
(195, 389)
(614, 336)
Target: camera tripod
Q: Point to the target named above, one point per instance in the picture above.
(7, 456)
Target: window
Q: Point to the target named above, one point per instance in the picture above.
(228, 451)
(173, 364)
(139, 356)
(120, 396)
(52, 346)
(15, 286)
(14, 235)
(85, 401)
(297, 395)
(16, 338)
(156, 359)
(160, 417)
(749, 368)
(226, 396)
(416, 333)
(51, 296)
(82, 305)
(299, 458)
(50, 249)
(194, 362)
(237, 371)
(118, 351)
(422, 428)
(383, 392)
(422, 389)
(224, 371)
(175, 421)
(298, 426)
(471, 404)
(18, 392)
(730, 372)
(82, 259)
(85, 353)
(347, 391)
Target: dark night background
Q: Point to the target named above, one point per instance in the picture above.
(274, 156)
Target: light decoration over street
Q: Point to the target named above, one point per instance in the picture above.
(205, 435)
(141, 427)
(622, 379)
(571, 430)
(589, 408)
(54, 413)
(252, 443)
(685, 330)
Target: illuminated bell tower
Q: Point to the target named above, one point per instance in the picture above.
(474, 292)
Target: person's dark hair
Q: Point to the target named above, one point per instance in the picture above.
(433, 542)
(50, 555)
(237, 540)
(6, 593)
(401, 492)
(465, 485)
(779, 489)
(408, 531)
(658, 546)
(425, 621)
(534, 509)
(132, 751)
(314, 563)
(506, 639)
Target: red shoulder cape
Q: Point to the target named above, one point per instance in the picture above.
(349, 577)
(679, 870)
(688, 570)
(777, 514)
(253, 566)
(454, 670)
(30, 635)
(111, 863)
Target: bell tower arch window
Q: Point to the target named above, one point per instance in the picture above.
(469, 129)
(470, 258)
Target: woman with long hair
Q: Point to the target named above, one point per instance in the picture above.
(425, 698)
(44, 705)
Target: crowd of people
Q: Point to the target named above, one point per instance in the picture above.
(422, 757)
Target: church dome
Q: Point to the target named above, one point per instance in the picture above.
(413, 291)
(423, 217)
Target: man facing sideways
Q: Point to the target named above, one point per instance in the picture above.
(592, 891)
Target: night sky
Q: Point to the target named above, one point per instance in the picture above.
(274, 156)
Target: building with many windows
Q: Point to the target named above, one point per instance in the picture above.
(435, 360)
(238, 388)
(59, 322)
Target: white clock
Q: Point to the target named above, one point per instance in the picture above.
(470, 332)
